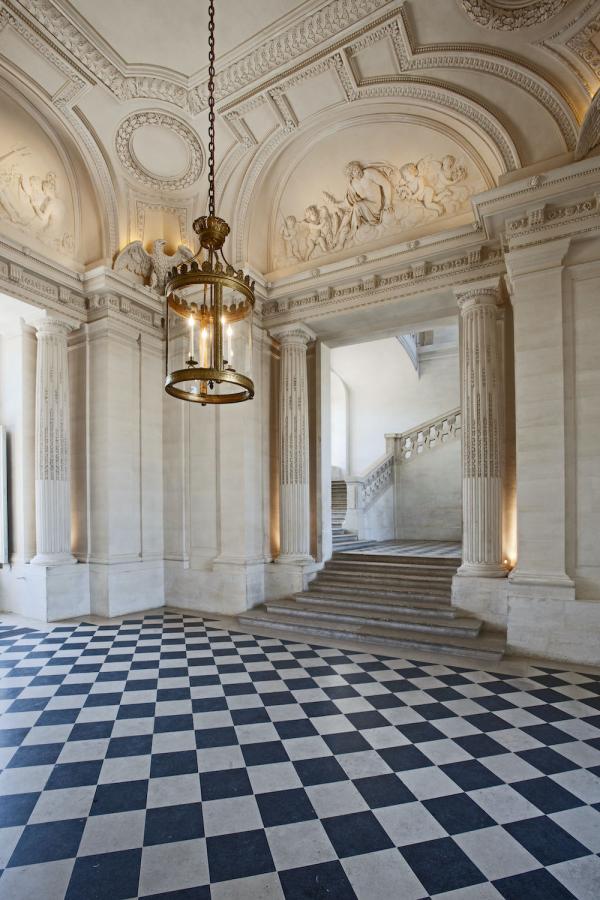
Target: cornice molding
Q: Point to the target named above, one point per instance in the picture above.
(300, 38)
(78, 298)
(422, 277)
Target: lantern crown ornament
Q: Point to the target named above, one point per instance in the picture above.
(209, 303)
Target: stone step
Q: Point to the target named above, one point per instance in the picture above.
(439, 576)
(351, 589)
(391, 559)
(416, 605)
(353, 562)
(466, 627)
(415, 585)
(483, 646)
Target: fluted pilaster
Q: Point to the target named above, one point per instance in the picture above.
(482, 432)
(294, 495)
(52, 489)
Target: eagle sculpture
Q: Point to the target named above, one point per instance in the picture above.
(152, 267)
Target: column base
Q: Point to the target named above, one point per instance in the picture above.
(482, 570)
(293, 559)
(53, 559)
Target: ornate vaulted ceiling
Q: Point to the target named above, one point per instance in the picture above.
(103, 118)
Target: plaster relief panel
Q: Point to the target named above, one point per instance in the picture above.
(365, 185)
(36, 201)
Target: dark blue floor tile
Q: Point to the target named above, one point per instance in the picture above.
(385, 701)
(105, 876)
(441, 866)
(91, 731)
(183, 722)
(480, 745)
(137, 711)
(384, 790)
(264, 752)
(77, 774)
(183, 762)
(433, 711)
(12, 737)
(238, 855)
(195, 893)
(103, 699)
(365, 720)
(325, 881)
(120, 796)
(322, 770)
(134, 745)
(295, 728)
(420, 732)
(457, 813)
(35, 755)
(58, 717)
(536, 885)
(215, 737)
(346, 742)
(546, 841)
(320, 708)
(48, 841)
(547, 760)
(225, 783)
(173, 823)
(356, 833)
(209, 704)
(548, 796)
(548, 734)
(401, 759)
(285, 807)
(471, 775)
(31, 704)
(487, 722)
(15, 809)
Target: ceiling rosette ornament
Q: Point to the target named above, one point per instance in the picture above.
(139, 136)
(509, 15)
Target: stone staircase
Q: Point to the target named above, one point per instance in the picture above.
(342, 539)
(396, 602)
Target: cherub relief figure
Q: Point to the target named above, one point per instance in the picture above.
(317, 231)
(289, 233)
(40, 195)
(416, 187)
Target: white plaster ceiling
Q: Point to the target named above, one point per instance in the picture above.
(173, 35)
(125, 82)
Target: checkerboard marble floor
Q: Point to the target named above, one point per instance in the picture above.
(165, 757)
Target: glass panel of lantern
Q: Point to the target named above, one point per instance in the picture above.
(209, 334)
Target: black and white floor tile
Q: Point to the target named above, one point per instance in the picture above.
(165, 757)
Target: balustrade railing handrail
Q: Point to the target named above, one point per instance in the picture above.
(430, 423)
(439, 430)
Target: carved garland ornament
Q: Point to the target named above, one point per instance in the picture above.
(123, 144)
(509, 18)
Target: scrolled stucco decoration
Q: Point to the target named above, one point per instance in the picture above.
(156, 118)
(511, 16)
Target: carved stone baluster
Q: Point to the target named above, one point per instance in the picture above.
(52, 477)
(482, 433)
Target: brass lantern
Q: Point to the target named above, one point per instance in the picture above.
(209, 304)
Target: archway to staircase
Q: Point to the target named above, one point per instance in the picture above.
(395, 445)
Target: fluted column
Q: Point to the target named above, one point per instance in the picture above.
(482, 432)
(52, 489)
(294, 498)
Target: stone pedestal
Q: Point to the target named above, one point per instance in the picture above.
(52, 475)
(293, 446)
(482, 432)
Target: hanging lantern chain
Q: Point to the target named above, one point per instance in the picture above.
(211, 108)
